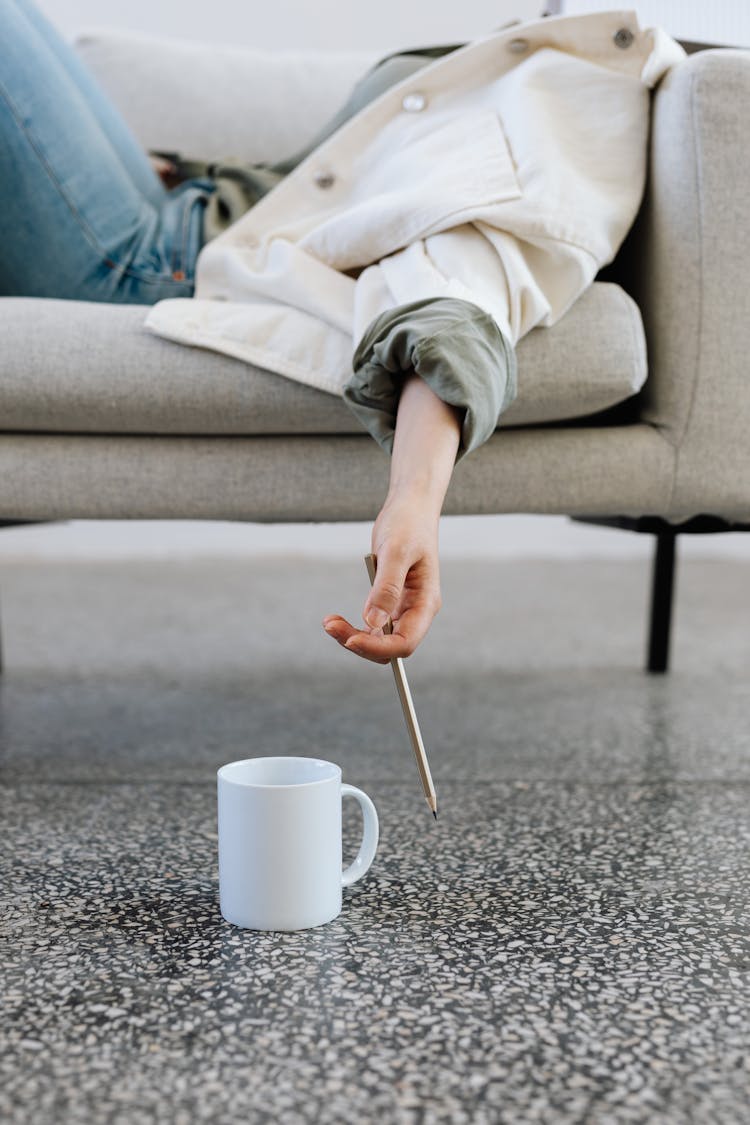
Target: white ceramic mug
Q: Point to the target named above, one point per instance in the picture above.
(280, 842)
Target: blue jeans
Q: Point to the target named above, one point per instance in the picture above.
(83, 215)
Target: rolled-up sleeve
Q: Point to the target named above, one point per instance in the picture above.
(455, 346)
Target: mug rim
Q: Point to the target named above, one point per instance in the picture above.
(222, 776)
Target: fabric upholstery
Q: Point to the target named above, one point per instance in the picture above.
(626, 469)
(693, 279)
(80, 367)
(217, 101)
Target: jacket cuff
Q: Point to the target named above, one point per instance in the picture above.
(455, 346)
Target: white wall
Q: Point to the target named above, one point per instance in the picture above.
(725, 22)
(385, 24)
(274, 24)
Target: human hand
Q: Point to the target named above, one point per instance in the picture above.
(407, 582)
(165, 169)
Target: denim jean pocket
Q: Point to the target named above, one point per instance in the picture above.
(165, 247)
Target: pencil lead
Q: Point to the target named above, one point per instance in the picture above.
(434, 814)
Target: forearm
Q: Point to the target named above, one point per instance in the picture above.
(428, 432)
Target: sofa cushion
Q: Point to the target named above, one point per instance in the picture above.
(83, 367)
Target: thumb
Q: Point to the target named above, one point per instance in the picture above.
(386, 592)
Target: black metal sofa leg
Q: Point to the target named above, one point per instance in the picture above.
(662, 596)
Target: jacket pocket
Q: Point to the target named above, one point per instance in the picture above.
(413, 179)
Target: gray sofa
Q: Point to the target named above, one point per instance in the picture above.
(636, 404)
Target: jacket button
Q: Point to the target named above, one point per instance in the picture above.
(518, 46)
(623, 37)
(324, 179)
(412, 103)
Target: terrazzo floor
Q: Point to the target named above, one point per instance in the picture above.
(568, 944)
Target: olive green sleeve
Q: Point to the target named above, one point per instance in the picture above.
(455, 346)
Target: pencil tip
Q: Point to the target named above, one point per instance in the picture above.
(434, 814)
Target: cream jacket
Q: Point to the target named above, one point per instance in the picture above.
(505, 173)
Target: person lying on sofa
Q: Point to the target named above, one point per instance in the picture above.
(461, 197)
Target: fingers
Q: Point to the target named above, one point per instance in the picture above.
(409, 631)
(341, 631)
(387, 589)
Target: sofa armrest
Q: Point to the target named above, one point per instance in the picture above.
(691, 282)
(218, 101)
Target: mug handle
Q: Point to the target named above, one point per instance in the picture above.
(366, 853)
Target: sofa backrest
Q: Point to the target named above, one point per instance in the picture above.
(215, 102)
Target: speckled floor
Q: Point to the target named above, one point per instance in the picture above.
(568, 944)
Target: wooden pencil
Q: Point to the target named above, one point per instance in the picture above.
(407, 706)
